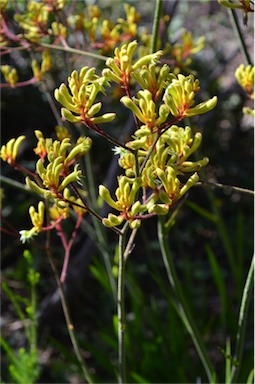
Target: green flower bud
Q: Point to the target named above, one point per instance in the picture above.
(69, 116)
(164, 197)
(94, 109)
(190, 183)
(105, 194)
(71, 178)
(106, 118)
(134, 224)
(133, 107)
(137, 208)
(159, 209)
(152, 58)
(201, 108)
(112, 220)
(32, 185)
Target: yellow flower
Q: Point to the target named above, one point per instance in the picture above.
(9, 151)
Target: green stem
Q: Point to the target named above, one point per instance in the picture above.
(184, 310)
(73, 50)
(242, 320)
(100, 232)
(237, 29)
(68, 319)
(155, 28)
(33, 339)
(226, 187)
(121, 307)
(16, 184)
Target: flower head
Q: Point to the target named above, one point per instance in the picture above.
(79, 101)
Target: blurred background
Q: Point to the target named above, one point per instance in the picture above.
(211, 242)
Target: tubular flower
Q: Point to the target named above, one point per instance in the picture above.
(62, 132)
(176, 145)
(34, 21)
(52, 178)
(9, 151)
(58, 29)
(126, 202)
(46, 147)
(145, 109)
(10, 75)
(61, 208)
(245, 78)
(42, 145)
(154, 79)
(182, 51)
(179, 97)
(121, 66)
(55, 4)
(60, 155)
(77, 204)
(37, 219)
(79, 102)
(129, 26)
(169, 191)
(39, 70)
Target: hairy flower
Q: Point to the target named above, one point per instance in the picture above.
(179, 97)
(79, 101)
(121, 66)
(126, 202)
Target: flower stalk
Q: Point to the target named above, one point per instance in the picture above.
(121, 308)
(184, 310)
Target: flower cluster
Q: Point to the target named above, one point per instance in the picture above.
(35, 21)
(155, 170)
(103, 33)
(122, 66)
(79, 101)
(156, 161)
(57, 174)
(11, 76)
(58, 211)
(56, 169)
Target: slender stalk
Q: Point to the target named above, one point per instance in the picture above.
(182, 303)
(238, 32)
(130, 244)
(148, 154)
(67, 315)
(156, 26)
(90, 210)
(16, 184)
(121, 308)
(242, 320)
(33, 332)
(101, 238)
(226, 187)
(68, 247)
(73, 50)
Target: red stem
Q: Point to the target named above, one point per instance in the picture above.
(68, 249)
(20, 84)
